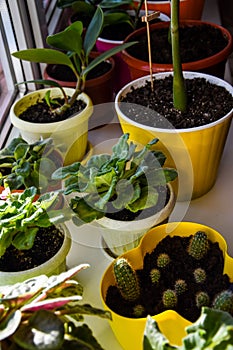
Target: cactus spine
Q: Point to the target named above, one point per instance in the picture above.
(180, 286)
(155, 276)
(199, 245)
(199, 275)
(202, 299)
(126, 279)
(169, 299)
(224, 301)
(163, 260)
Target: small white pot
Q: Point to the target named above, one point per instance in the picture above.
(71, 133)
(53, 266)
(121, 236)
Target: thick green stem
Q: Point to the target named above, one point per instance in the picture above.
(179, 91)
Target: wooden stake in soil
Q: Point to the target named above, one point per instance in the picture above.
(147, 18)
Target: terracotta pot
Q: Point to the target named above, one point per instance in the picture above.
(195, 152)
(99, 89)
(189, 9)
(129, 331)
(214, 65)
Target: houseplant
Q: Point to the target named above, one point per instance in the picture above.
(180, 104)
(34, 238)
(76, 57)
(146, 257)
(124, 193)
(213, 329)
(23, 164)
(42, 313)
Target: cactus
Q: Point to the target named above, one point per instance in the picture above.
(199, 275)
(202, 299)
(169, 298)
(163, 260)
(224, 301)
(138, 310)
(199, 245)
(180, 286)
(126, 279)
(155, 276)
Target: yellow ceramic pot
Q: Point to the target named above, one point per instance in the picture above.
(71, 134)
(195, 152)
(129, 331)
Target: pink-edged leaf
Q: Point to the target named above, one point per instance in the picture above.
(50, 304)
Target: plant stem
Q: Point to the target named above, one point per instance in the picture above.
(179, 91)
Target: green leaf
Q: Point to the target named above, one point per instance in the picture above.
(25, 239)
(63, 172)
(148, 198)
(44, 56)
(93, 31)
(21, 150)
(117, 17)
(85, 213)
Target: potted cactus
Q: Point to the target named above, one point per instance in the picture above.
(45, 313)
(123, 193)
(177, 269)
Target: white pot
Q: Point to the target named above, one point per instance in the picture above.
(71, 133)
(195, 152)
(121, 236)
(53, 266)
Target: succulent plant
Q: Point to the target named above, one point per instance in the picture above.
(42, 313)
(163, 260)
(202, 299)
(199, 245)
(126, 279)
(180, 286)
(199, 275)
(155, 275)
(169, 299)
(138, 310)
(224, 301)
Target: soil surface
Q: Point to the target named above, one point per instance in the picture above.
(196, 42)
(47, 243)
(41, 113)
(181, 266)
(206, 103)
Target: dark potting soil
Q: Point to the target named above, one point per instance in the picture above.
(47, 243)
(41, 113)
(206, 103)
(181, 266)
(196, 42)
(127, 215)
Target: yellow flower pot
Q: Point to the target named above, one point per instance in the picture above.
(71, 133)
(129, 331)
(195, 152)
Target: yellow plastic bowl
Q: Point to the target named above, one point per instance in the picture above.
(129, 331)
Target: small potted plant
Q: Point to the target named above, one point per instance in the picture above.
(188, 124)
(23, 164)
(213, 328)
(177, 269)
(124, 193)
(42, 313)
(73, 108)
(34, 238)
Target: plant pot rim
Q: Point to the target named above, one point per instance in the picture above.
(46, 266)
(53, 127)
(195, 65)
(187, 75)
(135, 257)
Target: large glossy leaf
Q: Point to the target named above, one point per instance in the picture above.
(11, 323)
(43, 56)
(153, 338)
(93, 31)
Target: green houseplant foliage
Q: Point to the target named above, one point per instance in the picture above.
(212, 330)
(72, 49)
(127, 179)
(42, 313)
(23, 165)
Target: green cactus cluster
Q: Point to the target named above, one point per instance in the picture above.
(199, 275)
(138, 310)
(224, 301)
(199, 245)
(155, 276)
(202, 299)
(169, 299)
(163, 260)
(180, 286)
(126, 279)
